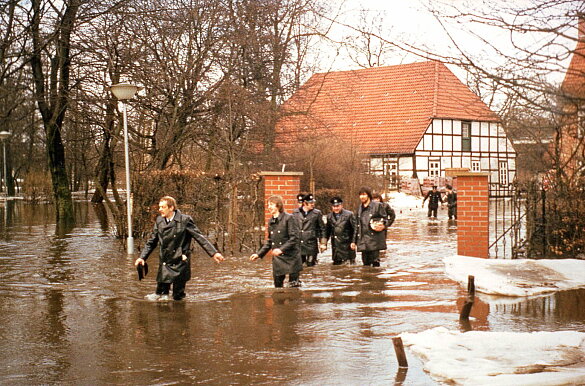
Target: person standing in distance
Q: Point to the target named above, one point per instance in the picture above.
(283, 240)
(369, 237)
(312, 237)
(434, 197)
(173, 231)
(340, 228)
(451, 198)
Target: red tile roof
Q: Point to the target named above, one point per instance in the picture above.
(574, 82)
(383, 109)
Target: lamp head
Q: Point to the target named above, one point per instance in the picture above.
(124, 91)
(4, 134)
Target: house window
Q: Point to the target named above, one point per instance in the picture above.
(377, 166)
(434, 168)
(391, 171)
(475, 166)
(503, 172)
(466, 136)
(365, 165)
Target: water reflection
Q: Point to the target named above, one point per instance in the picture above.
(560, 310)
(73, 312)
(101, 214)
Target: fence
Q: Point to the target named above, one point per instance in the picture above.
(535, 222)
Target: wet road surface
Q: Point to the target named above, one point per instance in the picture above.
(73, 312)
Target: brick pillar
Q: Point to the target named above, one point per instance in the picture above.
(284, 184)
(472, 214)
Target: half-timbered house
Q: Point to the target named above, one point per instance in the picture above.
(412, 120)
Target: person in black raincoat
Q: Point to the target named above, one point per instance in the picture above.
(371, 220)
(390, 213)
(283, 240)
(434, 197)
(451, 198)
(174, 230)
(312, 237)
(340, 228)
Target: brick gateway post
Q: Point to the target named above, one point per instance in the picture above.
(472, 214)
(284, 184)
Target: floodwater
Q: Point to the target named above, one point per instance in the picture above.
(73, 312)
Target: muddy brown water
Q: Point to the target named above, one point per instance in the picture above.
(73, 312)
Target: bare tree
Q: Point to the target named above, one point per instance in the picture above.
(15, 97)
(50, 60)
(365, 48)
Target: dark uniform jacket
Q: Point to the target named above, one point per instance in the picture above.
(283, 233)
(365, 237)
(341, 232)
(312, 231)
(390, 212)
(451, 199)
(175, 241)
(434, 199)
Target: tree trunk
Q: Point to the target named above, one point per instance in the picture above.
(9, 175)
(61, 192)
(52, 97)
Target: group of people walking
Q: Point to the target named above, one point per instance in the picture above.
(297, 238)
(435, 197)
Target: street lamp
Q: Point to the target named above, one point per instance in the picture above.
(3, 136)
(123, 91)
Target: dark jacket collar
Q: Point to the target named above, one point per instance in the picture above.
(175, 217)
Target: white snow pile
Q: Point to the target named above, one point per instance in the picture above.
(521, 277)
(500, 358)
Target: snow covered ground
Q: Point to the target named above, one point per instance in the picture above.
(521, 277)
(501, 358)
(494, 357)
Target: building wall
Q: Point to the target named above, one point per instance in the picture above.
(489, 151)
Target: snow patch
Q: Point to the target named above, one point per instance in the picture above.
(521, 277)
(500, 358)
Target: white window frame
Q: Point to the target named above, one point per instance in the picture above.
(466, 135)
(435, 168)
(475, 165)
(503, 172)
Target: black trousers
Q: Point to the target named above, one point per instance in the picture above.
(452, 212)
(178, 289)
(432, 212)
(309, 259)
(371, 258)
(293, 279)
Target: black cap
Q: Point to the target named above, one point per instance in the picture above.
(300, 197)
(308, 198)
(336, 201)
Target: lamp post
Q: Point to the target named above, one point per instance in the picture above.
(123, 91)
(3, 136)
